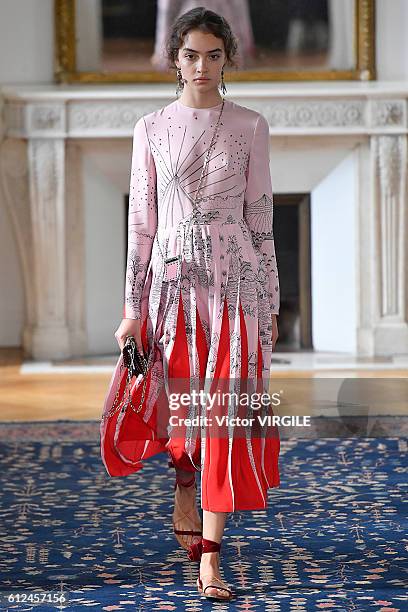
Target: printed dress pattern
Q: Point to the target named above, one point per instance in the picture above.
(212, 327)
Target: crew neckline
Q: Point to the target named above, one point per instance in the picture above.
(207, 108)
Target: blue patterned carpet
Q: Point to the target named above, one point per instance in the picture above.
(333, 538)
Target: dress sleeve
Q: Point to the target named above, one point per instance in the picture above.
(142, 219)
(258, 209)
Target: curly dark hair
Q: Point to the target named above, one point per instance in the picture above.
(203, 19)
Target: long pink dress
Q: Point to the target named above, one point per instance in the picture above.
(212, 328)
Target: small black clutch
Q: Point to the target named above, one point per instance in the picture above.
(134, 361)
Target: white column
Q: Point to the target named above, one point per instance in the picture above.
(390, 327)
(50, 338)
(383, 263)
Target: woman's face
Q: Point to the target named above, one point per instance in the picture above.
(201, 55)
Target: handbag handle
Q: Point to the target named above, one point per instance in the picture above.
(132, 351)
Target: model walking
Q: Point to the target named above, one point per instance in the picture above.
(202, 289)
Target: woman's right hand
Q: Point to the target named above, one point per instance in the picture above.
(129, 327)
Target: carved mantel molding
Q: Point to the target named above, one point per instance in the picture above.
(101, 112)
(38, 167)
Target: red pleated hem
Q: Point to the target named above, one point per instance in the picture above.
(231, 480)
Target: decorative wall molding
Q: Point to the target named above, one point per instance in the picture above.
(47, 208)
(391, 113)
(115, 119)
(100, 112)
(15, 184)
(391, 163)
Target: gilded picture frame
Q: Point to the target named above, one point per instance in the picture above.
(66, 70)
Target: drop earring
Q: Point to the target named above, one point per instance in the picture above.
(223, 88)
(180, 82)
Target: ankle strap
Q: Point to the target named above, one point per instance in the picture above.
(210, 545)
(196, 550)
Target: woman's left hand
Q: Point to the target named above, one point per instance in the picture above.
(275, 333)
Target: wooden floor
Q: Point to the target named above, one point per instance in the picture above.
(30, 397)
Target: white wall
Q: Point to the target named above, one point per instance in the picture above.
(392, 40)
(333, 239)
(104, 256)
(26, 41)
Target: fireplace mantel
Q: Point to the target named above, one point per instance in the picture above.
(39, 179)
(312, 108)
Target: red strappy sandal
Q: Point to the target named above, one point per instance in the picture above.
(181, 532)
(213, 581)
